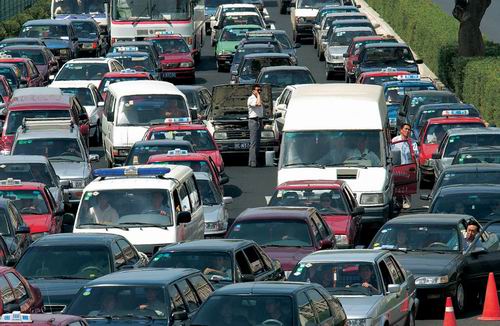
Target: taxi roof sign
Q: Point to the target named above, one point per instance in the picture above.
(16, 317)
(131, 171)
(454, 112)
(128, 71)
(10, 182)
(174, 120)
(177, 151)
(408, 77)
(390, 69)
(126, 49)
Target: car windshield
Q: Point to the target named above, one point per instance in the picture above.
(468, 177)
(83, 71)
(344, 38)
(82, 262)
(140, 154)
(460, 141)
(171, 45)
(78, 7)
(483, 206)
(259, 310)
(418, 237)
(145, 110)
(156, 10)
(252, 67)
(317, 4)
(423, 116)
(396, 94)
(342, 278)
(436, 133)
(35, 55)
(240, 20)
(275, 233)
(196, 166)
(113, 302)
(477, 157)
(283, 40)
(326, 201)
(83, 94)
(56, 149)
(416, 101)
(282, 78)
(45, 31)
(15, 118)
(125, 207)
(216, 3)
(332, 148)
(27, 172)
(200, 139)
(10, 76)
(234, 34)
(396, 56)
(209, 194)
(217, 266)
(139, 63)
(86, 30)
(106, 81)
(240, 53)
(4, 223)
(27, 201)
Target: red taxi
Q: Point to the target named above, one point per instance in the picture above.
(35, 204)
(30, 76)
(20, 319)
(432, 134)
(380, 77)
(177, 60)
(196, 161)
(5, 90)
(46, 106)
(124, 75)
(197, 134)
(352, 52)
(333, 199)
(18, 294)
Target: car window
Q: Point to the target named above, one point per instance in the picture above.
(265, 258)
(323, 229)
(130, 254)
(14, 217)
(255, 263)
(176, 302)
(188, 294)
(117, 254)
(7, 294)
(194, 196)
(320, 305)
(386, 275)
(20, 292)
(183, 193)
(395, 271)
(306, 313)
(201, 286)
(315, 231)
(242, 262)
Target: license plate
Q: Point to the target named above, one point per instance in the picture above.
(170, 74)
(242, 145)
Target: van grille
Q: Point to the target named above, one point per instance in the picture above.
(347, 174)
(238, 134)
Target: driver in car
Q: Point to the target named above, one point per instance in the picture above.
(222, 267)
(71, 149)
(158, 205)
(153, 303)
(362, 152)
(103, 213)
(274, 314)
(365, 275)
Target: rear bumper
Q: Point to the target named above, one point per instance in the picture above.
(376, 214)
(335, 66)
(72, 196)
(181, 73)
(304, 29)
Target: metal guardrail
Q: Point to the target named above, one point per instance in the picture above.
(9, 8)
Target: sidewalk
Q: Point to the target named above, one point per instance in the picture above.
(385, 29)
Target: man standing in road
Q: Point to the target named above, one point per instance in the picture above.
(255, 114)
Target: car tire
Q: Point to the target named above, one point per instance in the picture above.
(459, 299)
(219, 67)
(328, 75)
(410, 320)
(321, 55)
(283, 9)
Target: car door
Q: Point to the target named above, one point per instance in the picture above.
(118, 256)
(191, 300)
(129, 253)
(325, 233)
(277, 273)
(399, 277)
(280, 109)
(307, 314)
(201, 287)
(404, 171)
(23, 240)
(258, 268)
(21, 293)
(9, 302)
(321, 308)
(389, 305)
(355, 217)
(107, 125)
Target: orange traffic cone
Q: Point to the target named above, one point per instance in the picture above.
(491, 309)
(449, 314)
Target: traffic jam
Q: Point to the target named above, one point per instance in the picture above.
(116, 202)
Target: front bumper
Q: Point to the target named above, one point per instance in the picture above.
(336, 66)
(304, 29)
(178, 73)
(436, 293)
(72, 195)
(376, 214)
(230, 146)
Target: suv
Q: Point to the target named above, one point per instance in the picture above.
(61, 142)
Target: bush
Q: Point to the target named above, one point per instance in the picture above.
(12, 26)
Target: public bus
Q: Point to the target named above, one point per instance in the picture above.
(138, 19)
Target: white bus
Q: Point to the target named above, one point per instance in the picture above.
(82, 8)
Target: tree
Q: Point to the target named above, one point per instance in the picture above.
(470, 13)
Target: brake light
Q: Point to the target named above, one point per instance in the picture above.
(94, 45)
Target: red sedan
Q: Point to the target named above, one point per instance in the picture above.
(5, 90)
(334, 200)
(34, 202)
(31, 77)
(432, 134)
(197, 134)
(18, 294)
(380, 77)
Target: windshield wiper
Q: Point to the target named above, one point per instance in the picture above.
(105, 225)
(146, 224)
(62, 277)
(139, 18)
(306, 165)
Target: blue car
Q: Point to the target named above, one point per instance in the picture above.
(139, 61)
(91, 41)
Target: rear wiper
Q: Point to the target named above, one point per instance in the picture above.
(105, 225)
(307, 165)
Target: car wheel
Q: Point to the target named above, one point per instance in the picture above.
(459, 299)
(410, 320)
(321, 55)
(329, 74)
(347, 79)
(219, 67)
(283, 9)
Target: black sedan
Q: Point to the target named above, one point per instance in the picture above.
(60, 264)
(433, 248)
(14, 231)
(223, 261)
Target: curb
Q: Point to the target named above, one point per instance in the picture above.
(385, 29)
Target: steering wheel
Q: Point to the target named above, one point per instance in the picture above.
(272, 322)
(437, 244)
(355, 284)
(92, 270)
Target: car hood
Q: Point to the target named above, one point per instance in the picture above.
(126, 136)
(340, 224)
(213, 213)
(58, 291)
(175, 57)
(71, 170)
(232, 99)
(306, 12)
(288, 256)
(409, 68)
(359, 306)
(53, 43)
(337, 49)
(37, 223)
(372, 179)
(428, 263)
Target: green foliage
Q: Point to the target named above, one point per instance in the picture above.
(12, 26)
(432, 34)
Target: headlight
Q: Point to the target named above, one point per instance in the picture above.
(426, 280)
(371, 199)
(123, 152)
(220, 135)
(267, 134)
(359, 322)
(341, 239)
(215, 226)
(5, 152)
(36, 236)
(224, 52)
(77, 183)
(301, 20)
(186, 64)
(63, 51)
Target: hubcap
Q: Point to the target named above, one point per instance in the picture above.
(460, 297)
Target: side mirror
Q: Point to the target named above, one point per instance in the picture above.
(180, 315)
(326, 244)
(297, 45)
(247, 278)
(394, 288)
(359, 210)
(419, 61)
(436, 156)
(23, 229)
(100, 104)
(227, 200)
(94, 157)
(68, 219)
(224, 179)
(183, 217)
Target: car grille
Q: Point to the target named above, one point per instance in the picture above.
(238, 134)
(172, 65)
(48, 308)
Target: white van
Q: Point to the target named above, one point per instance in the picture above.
(131, 107)
(340, 131)
(149, 205)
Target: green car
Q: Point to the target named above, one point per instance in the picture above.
(229, 38)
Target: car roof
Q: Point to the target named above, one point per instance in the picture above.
(428, 219)
(89, 60)
(267, 55)
(71, 84)
(242, 26)
(454, 119)
(258, 45)
(47, 22)
(56, 133)
(280, 68)
(144, 276)
(473, 131)
(372, 38)
(23, 186)
(20, 39)
(175, 158)
(263, 288)
(162, 142)
(429, 93)
(312, 184)
(127, 54)
(77, 239)
(394, 44)
(472, 167)
(241, 13)
(144, 87)
(208, 245)
(187, 88)
(120, 43)
(237, 5)
(353, 29)
(345, 255)
(446, 106)
(471, 189)
(203, 176)
(278, 213)
(26, 159)
(24, 47)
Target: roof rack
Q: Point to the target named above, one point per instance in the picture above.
(47, 123)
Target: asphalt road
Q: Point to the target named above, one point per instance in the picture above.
(249, 186)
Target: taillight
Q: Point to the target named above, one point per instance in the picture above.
(94, 45)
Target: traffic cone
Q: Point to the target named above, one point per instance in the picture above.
(449, 314)
(491, 309)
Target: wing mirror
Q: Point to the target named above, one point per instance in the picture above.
(419, 61)
(394, 288)
(94, 157)
(64, 184)
(23, 229)
(224, 179)
(436, 156)
(227, 200)
(183, 217)
(326, 244)
(68, 219)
